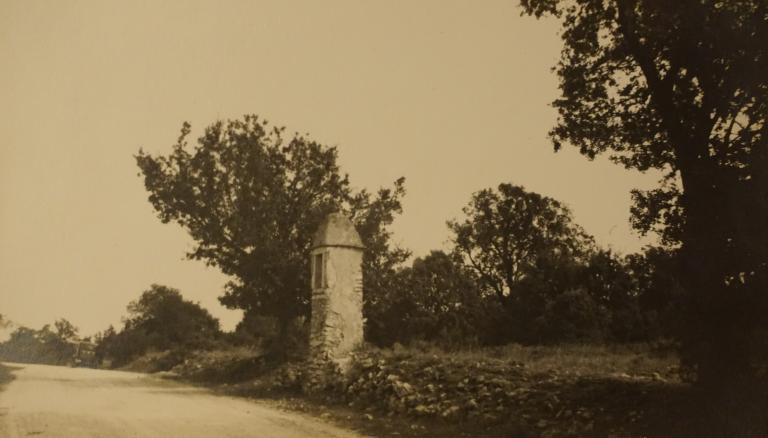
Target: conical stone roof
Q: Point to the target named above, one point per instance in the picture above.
(337, 230)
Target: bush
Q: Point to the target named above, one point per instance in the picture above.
(222, 365)
(572, 316)
(436, 300)
(160, 320)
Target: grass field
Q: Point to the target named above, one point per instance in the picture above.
(578, 360)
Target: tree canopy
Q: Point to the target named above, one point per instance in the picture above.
(163, 314)
(65, 330)
(540, 278)
(434, 299)
(509, 233)
(252, 199)
(54, 347)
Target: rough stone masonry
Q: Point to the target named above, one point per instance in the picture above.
(337, 291)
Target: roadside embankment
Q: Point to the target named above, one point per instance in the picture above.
(5, 375)
(508, 391)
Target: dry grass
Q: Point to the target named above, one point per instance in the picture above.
(590, 360)
(578, 360)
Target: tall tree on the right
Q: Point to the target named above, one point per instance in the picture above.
(681, 86)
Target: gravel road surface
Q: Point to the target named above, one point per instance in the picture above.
(48, 401)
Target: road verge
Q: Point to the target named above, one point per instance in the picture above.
(5, 375)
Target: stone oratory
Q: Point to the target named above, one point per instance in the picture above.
(337, 290)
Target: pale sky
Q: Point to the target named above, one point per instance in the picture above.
(453, 95)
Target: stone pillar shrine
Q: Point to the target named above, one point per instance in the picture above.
(337, 290)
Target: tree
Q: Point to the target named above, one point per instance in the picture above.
(104, 344)
(436, 299)
(572, 316)
(679, 86)
(21, 346)
(654, 270)
(510, 234)
(41, 346)
(161, 320)
(613, 285)
(65, 330)
(445, 292)
(252, 200)
(165, 316)
(381, 261)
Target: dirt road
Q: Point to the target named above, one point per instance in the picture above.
(47, 401)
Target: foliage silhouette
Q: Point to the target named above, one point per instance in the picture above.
(252, 200)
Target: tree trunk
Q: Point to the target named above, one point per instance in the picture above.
(724, 311)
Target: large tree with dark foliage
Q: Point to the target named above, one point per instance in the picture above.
(523, 249)
(252, 199)
(680, 86)
(510, 235)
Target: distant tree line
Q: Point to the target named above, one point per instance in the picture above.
(57, 345)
